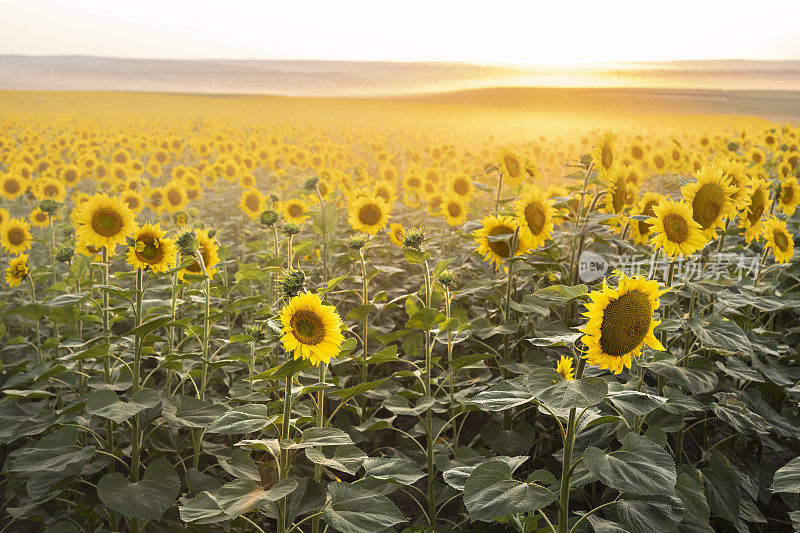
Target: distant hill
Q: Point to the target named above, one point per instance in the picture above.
(365, 79)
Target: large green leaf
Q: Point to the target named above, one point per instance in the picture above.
(106, 404)
(354, 509)
(347, 458)
(640, 467)
(505, 395)
(243, 495)
(399, 470)
(48, 459)
(721, 484)
(787, 478)
(321, 437)
(242, 419)
(653, 515)
(188, 411)
(491, 492)
(149, 498)
(202, 509)
(579, 393)
(720, 335)
(633, 402)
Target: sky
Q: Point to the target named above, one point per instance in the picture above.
(532, 32)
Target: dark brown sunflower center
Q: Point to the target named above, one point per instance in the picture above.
(307, 327)
(16, 236)
(707, 204)
(500, 248)
(155, 199)
(676, 228)
(152, 253)
(41, 216)
(385, 194)
(620, 195)
(781, 239)
(512, 166)
(454, 209)
(626, 322)
(252, 202)
(414, 183)
(606, 157)
(757, 206)
(295, 210)
(174, 196)
(370, 214)
(12, 186)
(644, 227)
(788, 195)
(637, 152)
(106, 222)
(461, 186)
(659, 162)
(70, 175)
(535, 217)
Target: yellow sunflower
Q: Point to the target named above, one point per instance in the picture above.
(461, 185)
(151, 249)
(534, 215)
(735, 172)
(208, 249)
(617, 192)
(564, 367)
(17, 270)
(674, 230)
(368, 214)
(790, 196)
(620, 322)
(752, 216)
(294, 210)
(512, 166)
(603, 154)
(493, 240)
(39, 218)
(640, 229)
(396, 234)
(711, 198)
(310, 329)
(104, 221)
(454, 210)
(47, 187)
(779, 240)
(175, 197)
(4, 215)
(155, 199)
(12, 186)
(252, 203)
(133, 199)
(15, 236)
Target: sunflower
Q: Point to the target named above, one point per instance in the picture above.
(294, 210)
(208, 248)
(779, 240)
(790, 196)
(175, 197)
(15, 236)
(151, 249)
(617, 192)
(534, 215)
(752, 216)
(512, 166)
(104, 221)
(252, 203)
(564, 367)
(4, 215)
(155, 199)
(17, 270)
(674, 229)
(90, 251)
(39, 218)
(310, 329)
(494, 238)
(71, 174)
(659, 162)
(396, 234)
(640, 229)
(12, 186)
(711, 197)
(603, 155)
(621, 322)
(461, 186)
(134, 200)
(387, 191)
(454, 210)
(756, 155)
(368, 214)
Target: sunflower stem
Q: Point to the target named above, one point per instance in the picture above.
(566, 466)
(365, 327)
(323, 225)
(429, 450)
(283, 468)
(497, 199)
(450, 384)
(137, 355)
(38, 334)
(320, 423)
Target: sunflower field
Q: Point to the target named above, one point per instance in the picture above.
(257, 322)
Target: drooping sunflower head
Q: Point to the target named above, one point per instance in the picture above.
(779, 240)
(105, 221)
(368, 214)
(640, 229)
(674, 230)
(396, 234)
(534, 213)
(790, 196)
(751, 218)
(15, 236)
(617, 192)
(310, 329)
(17, 270)
(496, 238)
(208, 249)
(151, 249)
(620, 322)
(711, 198)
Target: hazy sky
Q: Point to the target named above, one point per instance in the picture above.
(485, 31)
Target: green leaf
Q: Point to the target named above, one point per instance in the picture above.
(425, 319)
(357, 390)
(359, 313)
(399, 470)
(654, 515)
(721, 483)
(720, 335)
(787, 478)
(150, 326)
(347, 458)
(188, 411)
(49, 459)
(242, 419)
(505, 395)
(320, 437)
(579, 393)
(354, 509)
(243, 495)
(640, 467)
(690, 492)
(65, 300)
(202, 509)
(414, 256)
(147, 499)
(106, 404)
(632, 402)
(561, 294)
(490, 492)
